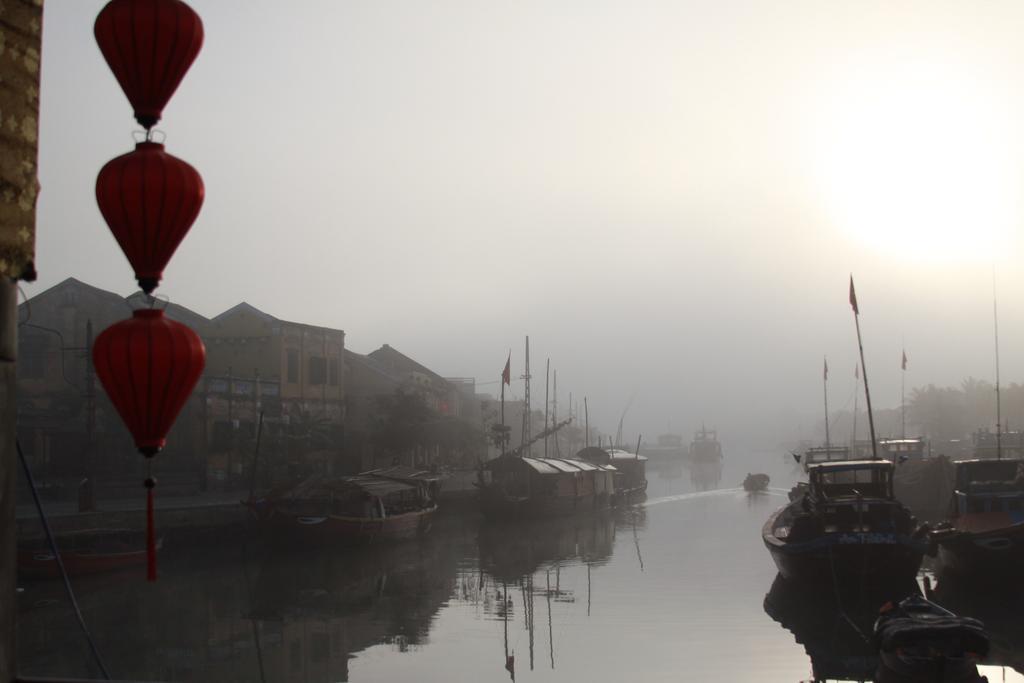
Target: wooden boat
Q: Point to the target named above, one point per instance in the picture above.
(355, 510)
(918, 640)
(984, 534)
(846, 525)
(754, 483)
(517, 487)
(90, 551)
(630, 471)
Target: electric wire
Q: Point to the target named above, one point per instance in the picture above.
(60, 562)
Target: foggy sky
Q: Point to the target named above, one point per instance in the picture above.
(667, 197)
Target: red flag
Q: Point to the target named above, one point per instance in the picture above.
(506, 374)
(510, 665)
(904, 360)
(853, 298)
(826, 369)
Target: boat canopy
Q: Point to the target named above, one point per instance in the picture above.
(403, 473)
(989, 475)
(853, 478)
(602, 456)
(319, 486)
(548, 465)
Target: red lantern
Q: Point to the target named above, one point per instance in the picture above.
(149, 199)
(149, 45)
(149, 365)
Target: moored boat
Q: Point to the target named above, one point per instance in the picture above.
(89, 551)
(517, 487)
(985, 532)
(630, 471)
(846, 524)
(355, 510)
(919, 641)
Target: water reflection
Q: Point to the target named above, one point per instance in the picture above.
(835, 632)
(999, 608)
(671, 590)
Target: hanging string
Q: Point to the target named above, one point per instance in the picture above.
(150, 484)
(60, 563)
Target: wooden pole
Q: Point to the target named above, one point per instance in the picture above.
(864, 368)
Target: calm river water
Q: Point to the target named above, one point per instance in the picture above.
(671, 590)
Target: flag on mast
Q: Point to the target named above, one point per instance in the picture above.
(853, 298)
(904, 359)
(506, 374)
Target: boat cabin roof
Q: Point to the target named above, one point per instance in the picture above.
(989, 475)
(842, 465)
(604, 456)
(851, 479)
(319, 486)
(548, 465)
(403, 473)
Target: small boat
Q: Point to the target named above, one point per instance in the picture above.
(755, 483)
(846, 524)
(919, 641)
(630, 471)
(514, 487)
(90, 551)
(354, 510)
(985, 532)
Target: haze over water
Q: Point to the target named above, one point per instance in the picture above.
(675, 591)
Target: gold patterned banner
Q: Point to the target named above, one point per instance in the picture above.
(20, 32)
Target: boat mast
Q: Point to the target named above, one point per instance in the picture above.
(856, 391)
(547, 381)
(554, 413)
(903, 395)
(999, 414)
(828, 441)
(867, 390)
(526, 403)
(586, 420)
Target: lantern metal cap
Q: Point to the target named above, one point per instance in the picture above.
(148, 313)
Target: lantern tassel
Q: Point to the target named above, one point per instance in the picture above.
(150, 531)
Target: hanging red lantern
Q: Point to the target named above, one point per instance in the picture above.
(149, 199)
(149, 365)
(149, 45)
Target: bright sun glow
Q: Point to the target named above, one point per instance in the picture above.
(917, 162)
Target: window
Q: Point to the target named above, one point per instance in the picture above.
(293, 366)
(334, 372)
(317, 370)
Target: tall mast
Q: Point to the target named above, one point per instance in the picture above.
(856, 391)
(547, 381)
(586, 420)
(527, 450)
(903, 395)
(864, 368)
(999, 413)
(554, 412)
(828, 441)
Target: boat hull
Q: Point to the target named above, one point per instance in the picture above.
(40, 563)
(877, 557)
(989, 552)
(495, 505)
(337, 530)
